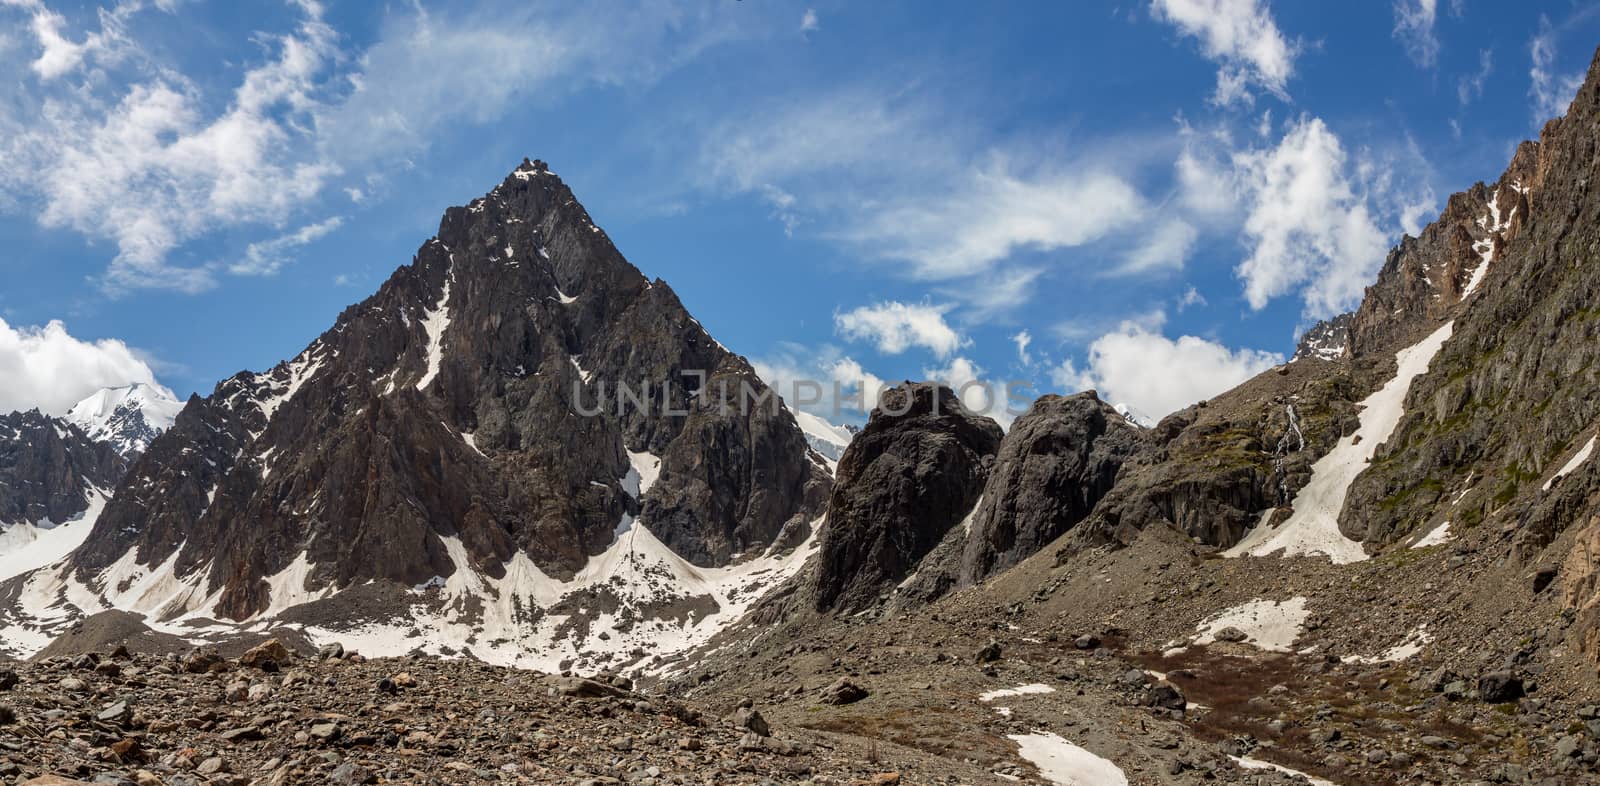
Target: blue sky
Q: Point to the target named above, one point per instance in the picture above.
(1158, 196)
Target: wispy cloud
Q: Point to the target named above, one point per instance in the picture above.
(1413, 28)
(1551, 92)
(1470, 86)
(267, 257)
(140, 154)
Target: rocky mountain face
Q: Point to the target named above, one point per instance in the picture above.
(913, 473)
(47, 468)
(127, 417)
(1325, 340)
(1052, 468)
(517, 415)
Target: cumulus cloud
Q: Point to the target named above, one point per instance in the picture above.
(1306, 224)
(895, 327)
(1551, 92)
(49, 369)
(808, 21)
(1241, 37)
(1154, 375)
(1413, 28)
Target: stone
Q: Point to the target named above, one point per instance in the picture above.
(8, 680)
(1087, 641)
(244, 734)
(841, 692)
(349, 774)
(270, 651)
(331, 650)
(750, 718)
(1231, 634)
(988, 653)
(1500, 687)
(1166, 696)
(201, 661)
(117, 713)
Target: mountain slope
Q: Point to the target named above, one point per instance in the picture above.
(128, 417)
(54, 480)
(462, 439)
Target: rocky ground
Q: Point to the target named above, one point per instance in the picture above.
(274, 718)
(1488, 695)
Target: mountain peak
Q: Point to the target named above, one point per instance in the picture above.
(128, 417)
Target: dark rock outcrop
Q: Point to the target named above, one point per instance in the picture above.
(1053, 467)
(1326, 340)
(477, 396)
(911, 475)
(47, 466)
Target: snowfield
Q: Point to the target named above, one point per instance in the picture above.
(1313, 528)
(1065, 764)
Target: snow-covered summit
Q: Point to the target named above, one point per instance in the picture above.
(825, 438)
(127, 417)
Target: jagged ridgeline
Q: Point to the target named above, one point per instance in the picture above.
(427, 465)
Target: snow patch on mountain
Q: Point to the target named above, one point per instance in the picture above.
(1313, 528)
(1064, 763)
(434, 323)
(825, 438)
(28, 546)
(1267, 624)
(1573, 463)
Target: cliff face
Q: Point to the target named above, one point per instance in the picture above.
(1053, 467)
(47, 468)
(906, 480)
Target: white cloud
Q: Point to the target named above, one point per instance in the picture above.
(150, 168)
(981, 396)
(269, 256)
(47, 368)
(808, 21)
(1022, 340)
(1552, 93)
(1154, 375)
(1413, 27)
(999, 214)
(1306, 224)
(994, 294)
(57, 54)
(824, 381)
(895, 327)
(893, 175)
(151, 159)
(1241, 37)
(1470, 87)
(1163, 250)
(1191, 297)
